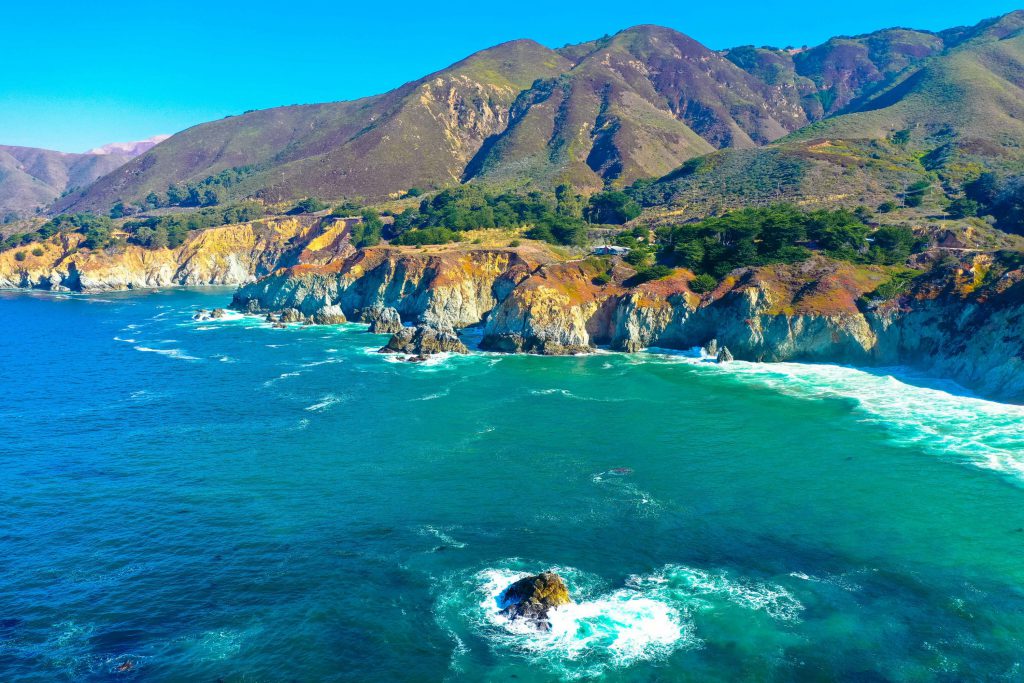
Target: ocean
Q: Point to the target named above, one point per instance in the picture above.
(220, 500)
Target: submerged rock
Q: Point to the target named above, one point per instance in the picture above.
(424, 340)
(290, 315)
(329, 315)
(203, 314)
(532, 598)
(388, 321)
(724, 355)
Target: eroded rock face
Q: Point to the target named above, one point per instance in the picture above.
(424, 340)
(388, 321)
(454, 289)
(228, 255)
(532, 598)
(329, 315)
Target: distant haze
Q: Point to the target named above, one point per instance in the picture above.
(129, 148)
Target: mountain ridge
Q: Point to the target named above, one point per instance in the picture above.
(637, 104)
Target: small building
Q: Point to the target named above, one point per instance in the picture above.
(610, 250)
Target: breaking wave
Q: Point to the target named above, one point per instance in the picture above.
(170, 353)
(648, 618)
(936, 415)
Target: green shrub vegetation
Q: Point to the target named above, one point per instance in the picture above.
(367, 232)
(158, 232)
(79, 222)
(780, 233)
(551, 218)
(703, 283)
(209, 191)
(308, 205)
(1001, 198)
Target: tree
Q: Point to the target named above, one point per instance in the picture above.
(176, 196)
(309, 205)
(211, 196)
(367, 232)
(915, 193)
(963, 208)
(983, 189)
(569, 204)
(900, 137)
(892, 244)
(703, 283)
(612, 207)
(153, 200)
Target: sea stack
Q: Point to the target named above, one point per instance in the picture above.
(388, 321)
(330, 314)
(724, 355)
(424, 340)
(532, 598)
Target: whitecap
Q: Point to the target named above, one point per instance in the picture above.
(935, 415)
(441, 535)
(324, 403)
(327, 361)
(648, 618)
(170, 353)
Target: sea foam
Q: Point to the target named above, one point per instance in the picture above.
(648, 618)
(936, 415)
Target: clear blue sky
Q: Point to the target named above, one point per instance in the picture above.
(79, 74)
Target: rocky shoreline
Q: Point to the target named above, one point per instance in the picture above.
(815, 311)
(955, 322)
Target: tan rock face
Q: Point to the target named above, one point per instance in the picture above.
(962, 324)
(532, 598)
(227, 255)
(455, 289)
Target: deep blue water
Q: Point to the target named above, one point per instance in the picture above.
(200, 501)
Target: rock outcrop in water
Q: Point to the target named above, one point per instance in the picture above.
(532, 598)
(962, 320)
(388, 321)
(956, 322)
(425, 340)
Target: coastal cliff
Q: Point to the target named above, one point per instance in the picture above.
(447, 288)
(959, 319)
(227, 255)
(949, 322)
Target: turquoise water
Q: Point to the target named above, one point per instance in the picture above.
(221, 500)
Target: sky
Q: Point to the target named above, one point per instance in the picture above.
(76, 75)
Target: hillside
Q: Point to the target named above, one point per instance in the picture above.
(420, 135)
(32, 178)
(636, 105)
(746, 125)
(940, 120)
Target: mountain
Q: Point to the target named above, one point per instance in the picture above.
(635, 105)
(943, 116)
(131, 149)
(32, 178)
(422, 134)
(754, 123)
